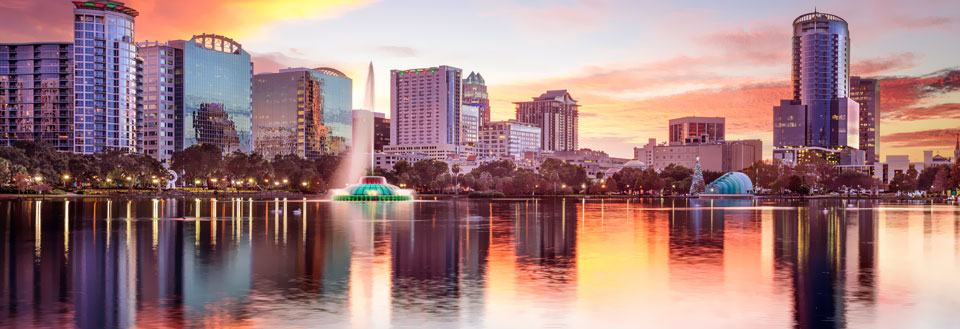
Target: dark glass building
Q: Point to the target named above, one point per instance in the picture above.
(337, 109)
(867, 94)
(821, 108)
(381, 131)
(217, 80)
(287, 114)
(36, 93)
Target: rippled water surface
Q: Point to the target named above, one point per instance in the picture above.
(571, 262)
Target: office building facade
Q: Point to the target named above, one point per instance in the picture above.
(475, 93)
(337, 118)
(469, 124)
(821, 106)
(162, 99)
(287, 114)
(866, 92)
(381, 131)
(509, 139)
(696, 130)
(425, 107)
(105, 77)
(557, 115)
(36, 94)
(217, 94)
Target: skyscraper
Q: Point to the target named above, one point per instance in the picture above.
(557, 115)
(381, 131)
(287, 114)
(821, 107)
(163, 99)
(425, 106)
(337, 118)
(475, 93)
(217, 93)
(867, 94)
(105, 83)
(36, 94)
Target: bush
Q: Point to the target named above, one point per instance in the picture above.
(58, 192)
(486, 194)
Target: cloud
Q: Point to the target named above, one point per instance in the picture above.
(934, 138)
(169, 19)
(883, 65)
(398, 51)
(908, 98)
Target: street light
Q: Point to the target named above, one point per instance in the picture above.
(304, 184)
(285, 181)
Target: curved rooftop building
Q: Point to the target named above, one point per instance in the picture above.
(731, 183)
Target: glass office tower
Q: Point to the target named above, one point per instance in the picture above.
(337, 109)
(217, 82)
(105, 82)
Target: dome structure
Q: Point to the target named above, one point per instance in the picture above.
(635, 164)
(372, 188)
(731, 183)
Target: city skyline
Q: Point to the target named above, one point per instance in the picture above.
(628, 75)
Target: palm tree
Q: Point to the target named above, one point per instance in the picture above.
(455, 170)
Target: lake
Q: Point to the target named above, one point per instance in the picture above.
(677, 263)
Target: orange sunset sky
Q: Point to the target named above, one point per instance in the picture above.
(632, 64)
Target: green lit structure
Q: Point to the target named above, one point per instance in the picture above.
(372, 188)
(731, 183)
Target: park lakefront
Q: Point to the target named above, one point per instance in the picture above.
(36, 169)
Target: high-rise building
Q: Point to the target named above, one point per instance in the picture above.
(162, 99)
(696, 130)
(217, 80)
(337, 109)
(475, 93)
(36, 93)
(196, 91)
(287, 114)
(105, 78)
(425, 107)
(381, 131)
(509, 139)
(469, 124)
(821, 107)
(867, 94)
(557, 115)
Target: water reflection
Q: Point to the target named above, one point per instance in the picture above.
(239, 262)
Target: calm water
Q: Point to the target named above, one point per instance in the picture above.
(516, 263)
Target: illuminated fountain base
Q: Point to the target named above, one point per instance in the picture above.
(372, 188)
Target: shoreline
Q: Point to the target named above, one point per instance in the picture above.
(262, 195)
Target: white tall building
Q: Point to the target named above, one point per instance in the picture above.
(159, 99)
(425, 106)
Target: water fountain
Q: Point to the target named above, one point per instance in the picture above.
(361, 164)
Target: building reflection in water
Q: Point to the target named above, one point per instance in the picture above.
(241, 262)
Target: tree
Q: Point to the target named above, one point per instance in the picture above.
(427, 172)
(897, 182)
(796, 185)
(851, 179)
(927, 175)
(676, 172)
(610, 186)
(910, 180)
(649, 180)
(456, 171)
(939, 184)
(626, 178)
(197, 162)
(953, 182)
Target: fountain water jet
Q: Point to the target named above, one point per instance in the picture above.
(361, 159)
